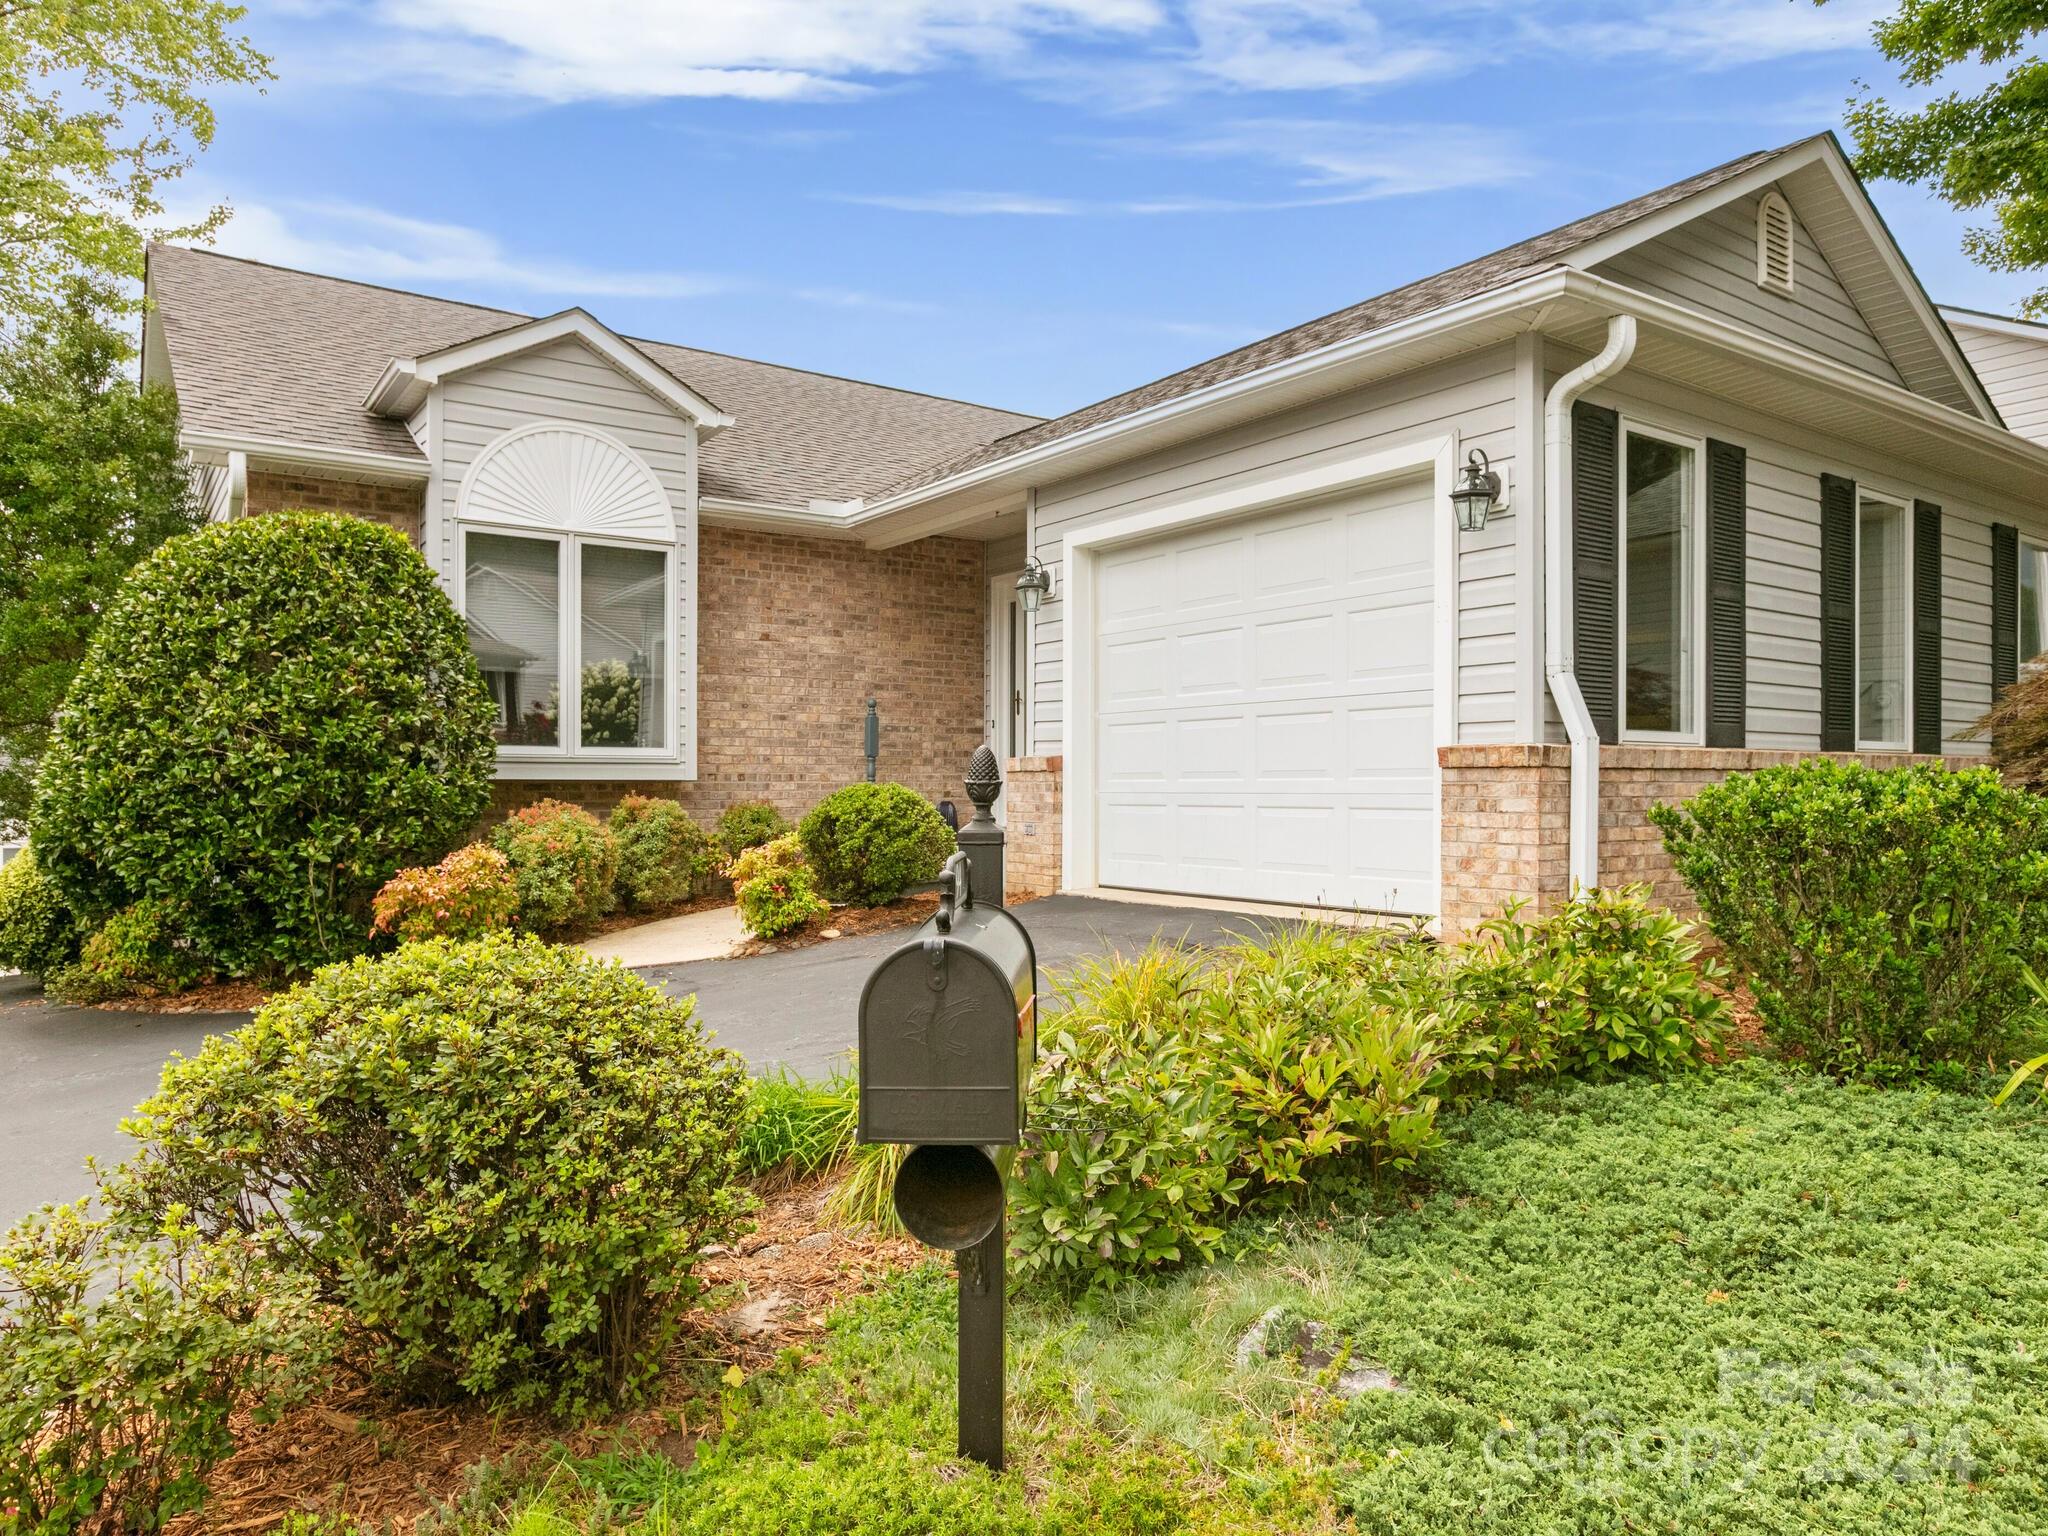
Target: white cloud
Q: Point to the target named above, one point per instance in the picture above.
(761, 49)
(966, 204)
(1327, 162)
(1708, 33)
(350, 240)
(376, 246)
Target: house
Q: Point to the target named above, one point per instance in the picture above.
(1753, 502)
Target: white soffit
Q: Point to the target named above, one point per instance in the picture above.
(561, 478)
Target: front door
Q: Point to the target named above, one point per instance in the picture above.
(1005, 674)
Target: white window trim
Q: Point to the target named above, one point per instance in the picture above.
(1904, 503)
(1693, 640)
(2039, 547)
(569, 615)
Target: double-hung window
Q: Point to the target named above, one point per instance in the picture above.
(2033, 600)
(575, 637)
(1883, 624)
(1660, 586)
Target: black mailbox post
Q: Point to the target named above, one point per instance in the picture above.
(948, 1035)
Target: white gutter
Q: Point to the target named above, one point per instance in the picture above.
(215, 445)
(1558, 661)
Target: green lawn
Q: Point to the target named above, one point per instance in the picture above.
(1744, 1302)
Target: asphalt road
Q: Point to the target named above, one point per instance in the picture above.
(69, 1075)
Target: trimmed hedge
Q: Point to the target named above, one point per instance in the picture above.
(502, 1160)
(467, 895)
(563, 863)
(1885, 918)
(274, 716)
(663, 853)
(38, 932)
(869, 843)
(748, 824)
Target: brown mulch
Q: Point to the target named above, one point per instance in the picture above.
(1745, 1036)
(211, 997)
(387, 1466)
(846, 923)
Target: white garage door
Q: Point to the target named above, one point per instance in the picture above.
(1265, 692)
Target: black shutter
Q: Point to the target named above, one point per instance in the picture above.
(1596, 528)
(1837, 614)
(1926, 627)
(1727, 595)
(2005, 607)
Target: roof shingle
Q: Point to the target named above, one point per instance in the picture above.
(290, 355)
(1462, 282)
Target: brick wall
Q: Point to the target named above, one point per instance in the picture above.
(1507, 819)
(396, 506)
(1506, 827)
(794, 636)
(1032, 805)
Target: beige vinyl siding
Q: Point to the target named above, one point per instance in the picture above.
(2014, 372)
(1710, 264)
(1473, 397)
(566, 382)
(1784, 561)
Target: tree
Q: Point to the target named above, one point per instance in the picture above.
(81, 184)
(90, 482)
(1987, 150)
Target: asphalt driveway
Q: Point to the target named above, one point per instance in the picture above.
(69, 1075)
(796, 1009)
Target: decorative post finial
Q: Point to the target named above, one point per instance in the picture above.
(984, 782)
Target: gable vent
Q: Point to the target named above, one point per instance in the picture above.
(1774, 243)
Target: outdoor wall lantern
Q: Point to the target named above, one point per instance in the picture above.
(1476, 492)
(1035, 585)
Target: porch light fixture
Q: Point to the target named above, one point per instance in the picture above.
(1035, 585)
(1476, 492)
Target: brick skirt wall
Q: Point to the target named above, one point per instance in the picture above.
(1507, 819)
(1033, 800)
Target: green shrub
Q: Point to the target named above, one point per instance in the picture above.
(465, 896)
(38, 931)
(1316, 1067)
(1176, 1090)
(1884, 918)
(274, 716)
(501, 1159)
(869, 843)
(1130, 1156)
(123, 1359)
(748, 824)
(141, 951)
(776, 890)
(780, 902)
(564, 864)
(663, 853)
(1610, 982)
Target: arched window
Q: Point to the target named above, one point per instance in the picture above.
(1774, 248)
(568, 585)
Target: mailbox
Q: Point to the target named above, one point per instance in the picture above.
(949, 1027)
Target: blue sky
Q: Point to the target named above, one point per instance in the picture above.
(1031, 203)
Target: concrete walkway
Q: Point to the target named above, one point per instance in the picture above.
(712, 934)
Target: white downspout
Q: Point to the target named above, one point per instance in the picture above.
(1559, 665)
